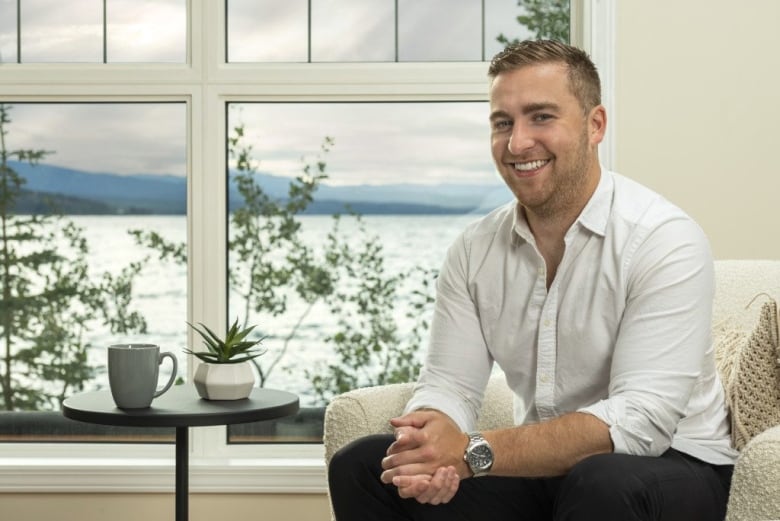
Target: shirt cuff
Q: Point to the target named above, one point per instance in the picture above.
(457, 410)
(626, 435)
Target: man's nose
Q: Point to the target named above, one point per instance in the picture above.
(519, 140)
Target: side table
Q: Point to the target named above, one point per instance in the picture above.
(181, 407)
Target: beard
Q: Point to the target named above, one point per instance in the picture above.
(570, 182)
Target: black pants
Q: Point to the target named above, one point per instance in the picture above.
(607, 487)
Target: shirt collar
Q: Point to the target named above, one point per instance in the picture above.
(593, 217)
(520, 230)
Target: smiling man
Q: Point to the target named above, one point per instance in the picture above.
(593, 294)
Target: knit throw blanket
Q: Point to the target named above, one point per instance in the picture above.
(749, 364)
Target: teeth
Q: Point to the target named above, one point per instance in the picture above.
(531, 165)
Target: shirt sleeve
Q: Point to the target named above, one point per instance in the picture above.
(664, 339)
(458, 363)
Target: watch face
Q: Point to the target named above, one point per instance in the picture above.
(480, 456)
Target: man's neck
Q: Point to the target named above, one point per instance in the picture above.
(549, 228)
(548, 234)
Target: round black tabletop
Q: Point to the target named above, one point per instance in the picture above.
(181, 406)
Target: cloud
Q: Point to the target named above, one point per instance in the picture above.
(146, 30)
(54, 31)
(7, 31)
(260, 30)
(267, 30)
(121, 138)
(439, 30)
(138, 30)
(365, 30)
(375, 143)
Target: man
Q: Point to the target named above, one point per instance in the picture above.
(594, 295)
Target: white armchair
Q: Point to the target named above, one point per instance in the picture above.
(755, 490)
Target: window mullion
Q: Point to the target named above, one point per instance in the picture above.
(207, 266)
(18, 31)
(593, 29)
(105, 33)
(395, 19)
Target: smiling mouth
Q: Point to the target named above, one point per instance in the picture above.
(529, 166)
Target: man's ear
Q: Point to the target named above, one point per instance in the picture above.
(597, 124)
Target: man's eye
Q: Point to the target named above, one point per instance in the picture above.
(540, 118)
(502, 124)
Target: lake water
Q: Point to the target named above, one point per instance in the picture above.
(160, 291)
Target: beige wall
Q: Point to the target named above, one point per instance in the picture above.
(697, 118)
(698, 114)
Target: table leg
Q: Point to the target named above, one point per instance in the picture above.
(182, 473)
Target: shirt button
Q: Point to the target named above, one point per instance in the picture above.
(544, 378)
(547, 323)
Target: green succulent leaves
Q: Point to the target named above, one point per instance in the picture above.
(233, 349)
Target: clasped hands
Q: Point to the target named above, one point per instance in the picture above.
(425, 462)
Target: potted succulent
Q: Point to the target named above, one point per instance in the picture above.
(225, 372)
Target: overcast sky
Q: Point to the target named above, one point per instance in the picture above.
(374, 143)
(128, 138)
(350, 30)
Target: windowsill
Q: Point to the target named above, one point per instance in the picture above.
(148, 466)
(291, 474)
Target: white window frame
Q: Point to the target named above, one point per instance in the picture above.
(206, 84)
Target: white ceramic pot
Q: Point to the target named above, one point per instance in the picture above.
(224, 381)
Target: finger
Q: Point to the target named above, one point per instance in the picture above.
(404, 436)
(437, 489)
(433, 491)
(409, 456)
(410, 481)
(405, 470)
(411, 486)
(448, 491)
(443, 486)
(415, 419)
(408, 469)
(392, 461)
(405, 439)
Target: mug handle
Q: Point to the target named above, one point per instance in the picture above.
(173, 372)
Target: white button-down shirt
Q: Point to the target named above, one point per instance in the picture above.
(623, 332)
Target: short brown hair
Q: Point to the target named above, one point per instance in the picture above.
(583, 77)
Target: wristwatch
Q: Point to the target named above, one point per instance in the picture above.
(478, 455)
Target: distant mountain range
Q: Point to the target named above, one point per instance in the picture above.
(81, 192)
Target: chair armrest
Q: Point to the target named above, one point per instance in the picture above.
(368, 410)
(361, 412)
(755, 486)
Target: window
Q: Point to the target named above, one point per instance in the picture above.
(78, 280)
(8, 23)
(223, 79)
(371, 30)
(355, 292)
(93, 31)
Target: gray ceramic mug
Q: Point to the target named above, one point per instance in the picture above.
(132, 374)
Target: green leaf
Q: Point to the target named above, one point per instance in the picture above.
(233, 349)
